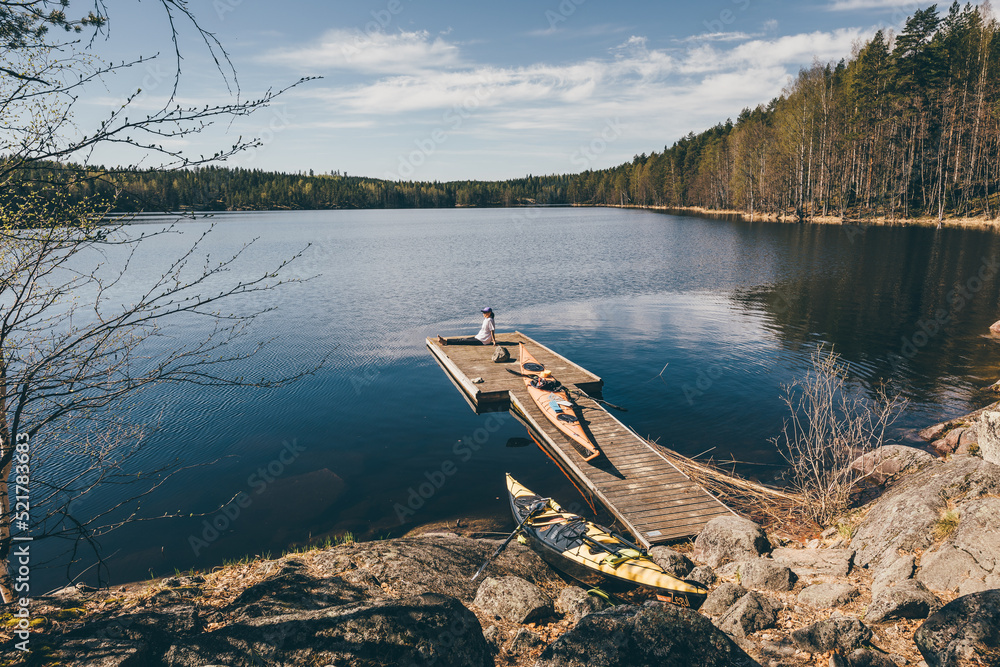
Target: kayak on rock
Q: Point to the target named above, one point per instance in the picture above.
(591, 553)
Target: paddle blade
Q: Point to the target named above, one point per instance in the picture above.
(479, 571)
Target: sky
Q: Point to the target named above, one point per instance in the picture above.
(448, 90)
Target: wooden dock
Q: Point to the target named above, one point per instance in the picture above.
(634, 480)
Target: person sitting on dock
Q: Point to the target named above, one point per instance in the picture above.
(545, 381)
(485, 336)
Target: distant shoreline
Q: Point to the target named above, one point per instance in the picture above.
(978, 222)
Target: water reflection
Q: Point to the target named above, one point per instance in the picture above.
(911, 306)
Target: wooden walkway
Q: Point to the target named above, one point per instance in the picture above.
(633, 480)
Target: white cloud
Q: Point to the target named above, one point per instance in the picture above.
(801, 48)
(377, 52)
(634, 45)
(633, 72)
(480, 87)
(556, 110)
(718, 37)
(790, 50)
(577, 32)
(857, 5)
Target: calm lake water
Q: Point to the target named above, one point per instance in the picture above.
(694, 324)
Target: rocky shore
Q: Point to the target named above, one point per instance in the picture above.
(911, 578)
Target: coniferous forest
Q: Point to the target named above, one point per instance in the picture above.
(909, 126)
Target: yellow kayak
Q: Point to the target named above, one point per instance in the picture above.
(593, 554)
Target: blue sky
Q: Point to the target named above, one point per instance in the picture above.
(435, 90)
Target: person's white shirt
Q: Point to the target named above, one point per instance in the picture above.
(485, 335)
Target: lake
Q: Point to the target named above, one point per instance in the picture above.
(693, 323)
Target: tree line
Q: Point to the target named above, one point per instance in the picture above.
(216, 188)
(908, 126)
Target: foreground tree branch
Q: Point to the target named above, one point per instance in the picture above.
(73, 354)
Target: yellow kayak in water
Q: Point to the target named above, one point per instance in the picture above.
(591, 553)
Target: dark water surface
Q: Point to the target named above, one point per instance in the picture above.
(694, 324)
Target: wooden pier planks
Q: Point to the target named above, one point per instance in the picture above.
(637, 484)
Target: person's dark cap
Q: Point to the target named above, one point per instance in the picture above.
(487, 309)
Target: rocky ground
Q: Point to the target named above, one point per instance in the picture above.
(911, 578)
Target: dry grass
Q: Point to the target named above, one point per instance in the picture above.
(946, 525)
(768, 506)
(987, 655)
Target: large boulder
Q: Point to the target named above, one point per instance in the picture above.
(764, 573)
(513, 599)
(422, 630)
(827, 595)
(730, 538)
(352, 605)
(903, 519)
(672, 561)
(970, 558)
(894, 571)
(751, 613)
(438, 564)
(721, 599)
(961, 631)
(574, 603)
(815, 562)
(113, 640)
(988, 436)
(657, 635)
(948, 568)
(291, 590)
(524, 642)
(839, 633)
(864, 657)
(890, 461)
(907, 599)
(703, 574)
